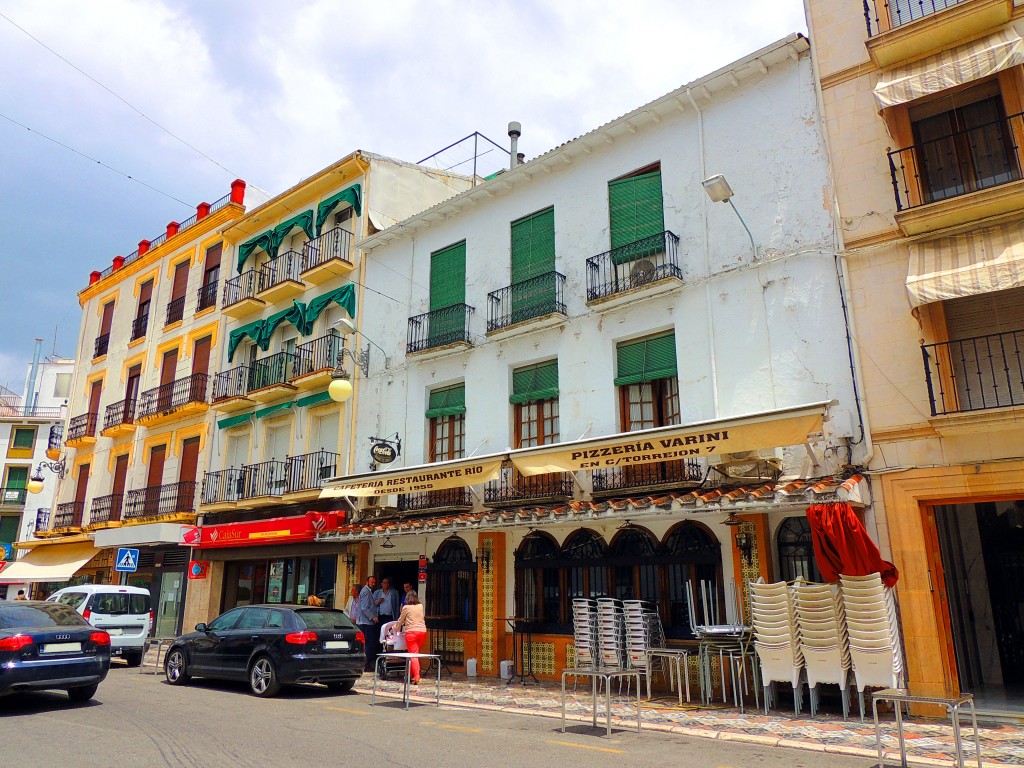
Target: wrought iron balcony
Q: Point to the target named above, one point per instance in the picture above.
(225, 485)
(975, 374)
(446, 499)
(159, 500)
(42, 520)
(175, 396)
(69, 514)
(82, 427)
(516, 303)
(271, 370)
(513, 488)
(439, 328)
(175, 311)
(240, 288)
(206, 296)
(882, 15)
(231, 383)
(957, 164)
(268, 478)
(55, 440)
(101, 345)
(13, 496)
(333, 244)
(139, 325)
(633, 265)
(121, 412)
(310, 470)
(106, 509)
(317, 355)
(681, 472)
(287, 266)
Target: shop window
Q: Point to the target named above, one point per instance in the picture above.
(538, 582)
(451, 585)
(796, 551)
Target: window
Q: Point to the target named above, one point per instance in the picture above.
(447, 294)
(277, 441)
(796, 551)
(538, 582)
(446, 412)
(254, 618)
(62, 385)
(533, 265)
(325, 432)
(225, 621)
(14, 485)
(451, 585)
(636, 210)
(535, 397)
(24, 437)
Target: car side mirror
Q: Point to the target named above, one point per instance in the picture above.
(201, 627)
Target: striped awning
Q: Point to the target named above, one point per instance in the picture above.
(963, 64)
(966, 265)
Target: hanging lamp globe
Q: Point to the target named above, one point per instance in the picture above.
(340, 389)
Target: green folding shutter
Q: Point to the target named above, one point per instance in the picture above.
(17, 477)
(23, 438)
(535, 382)
(447, 289)
(450, 401)
(646, 360)
(308, 400)
(533, 260)
(233, 421)
(635, 211)
(9, 528)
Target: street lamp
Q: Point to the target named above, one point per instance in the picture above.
(719, 191)
(35, 483)
(340, 388)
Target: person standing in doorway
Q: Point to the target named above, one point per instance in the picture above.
(406, 589)
(365, 617)
(387, 601)
(415, 626)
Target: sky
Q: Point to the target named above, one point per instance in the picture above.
(184, 96)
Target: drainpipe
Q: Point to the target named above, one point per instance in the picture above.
(30, 389)
(707, 255)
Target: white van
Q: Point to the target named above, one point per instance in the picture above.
(124, 613)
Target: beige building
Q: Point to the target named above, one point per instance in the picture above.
(922, 103)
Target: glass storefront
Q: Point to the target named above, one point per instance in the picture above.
(279, 580)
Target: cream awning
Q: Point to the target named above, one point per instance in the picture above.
(966, 265)
(956, 66)
(425, 477)
(770, 429)
(49, 562)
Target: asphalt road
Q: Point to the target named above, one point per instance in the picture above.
(138, 721)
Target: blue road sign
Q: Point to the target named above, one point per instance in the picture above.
(127, 560)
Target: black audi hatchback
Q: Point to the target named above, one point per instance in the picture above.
(270, 646)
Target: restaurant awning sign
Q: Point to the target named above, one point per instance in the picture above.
(425, 477)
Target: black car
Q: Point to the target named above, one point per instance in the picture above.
(270, 646)
(45, 646)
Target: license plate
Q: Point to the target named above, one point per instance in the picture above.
(331, 645)
(60, 647)
(114, 631)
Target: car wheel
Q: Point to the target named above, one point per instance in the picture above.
(343, 686)
(263, 681)
(84, 693)
(132, 658)
(175, 669)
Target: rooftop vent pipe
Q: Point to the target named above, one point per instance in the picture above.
(515, 130)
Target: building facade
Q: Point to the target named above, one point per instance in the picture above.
(923, 112)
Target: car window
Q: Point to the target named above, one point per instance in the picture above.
(254, 618)
(225, 620)
(113, 603)
(276, 620)
(138, 604)
(74, 599)
(318, 618)
(39, 615)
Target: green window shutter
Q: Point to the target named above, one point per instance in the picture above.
(448, 276)
(635, 211)
(535, 382)
(319, 397)
(450, 401)
(17, 477)
(271, 409)
(646, 360)
(23, 438)
(233, 421)
(9, 528)
(533, 245)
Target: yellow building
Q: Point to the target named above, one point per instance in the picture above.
(923, 110)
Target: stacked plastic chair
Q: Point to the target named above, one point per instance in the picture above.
(823, 639)
(611, 640)
(584, 632)
(777, 640)
(872, 622)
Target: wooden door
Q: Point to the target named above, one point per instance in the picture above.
(131, 393)
(94, 407)
(155, 478)
(168, 368)
(80, 491)
(120, 477)
(187, 475)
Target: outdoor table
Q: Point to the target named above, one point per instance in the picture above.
(952, 703)
(522, 649)
(606, 675)
(730, 641)
(406, 657)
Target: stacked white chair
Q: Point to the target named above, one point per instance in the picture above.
(823, 639)
(584, 632)
(777, 639)
(611, 645)
(643, 631)
(873, 626)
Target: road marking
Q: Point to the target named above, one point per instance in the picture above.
(452, 727)
(587, 746)
(347, 711)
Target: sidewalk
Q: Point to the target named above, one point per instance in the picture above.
(929, 742)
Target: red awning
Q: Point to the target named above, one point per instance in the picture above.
(842, 544)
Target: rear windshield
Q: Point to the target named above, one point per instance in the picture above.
(14, 616)
(315, 618)
(74, 599)
(119, 603)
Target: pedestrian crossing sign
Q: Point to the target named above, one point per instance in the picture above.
(127, 560)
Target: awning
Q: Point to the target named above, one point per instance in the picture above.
(788, 426)
(956, 66)
(50, 562)
(425, 477)
(966, 265)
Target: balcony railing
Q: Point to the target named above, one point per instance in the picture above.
(268, 478)
(121, 412)
(957, 164)
(287, 266)
(175, 311)
(275, 369)
(239, 288)
(975, 374)
(310, 470)
(157, 500)
(538, 296)
(633, 265)
(69, 514)
(334, 244)
(82, 426)
(206, 296)
(317, 355)
(681, 472)
(231, 383)
(168, 398)
(13, 407)
(439, 328)
(139, 325)
(881, 15)
(42, 520)
(106, 509)
(56, 438)
(101, 345)
(223, 486)
(13, 496)
(512, 486)
(451, 497)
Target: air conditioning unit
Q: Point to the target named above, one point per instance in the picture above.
(642, 271)
(750, 465)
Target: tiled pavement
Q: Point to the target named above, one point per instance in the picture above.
(929, 742)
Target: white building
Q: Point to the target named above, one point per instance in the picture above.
(598, 290)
